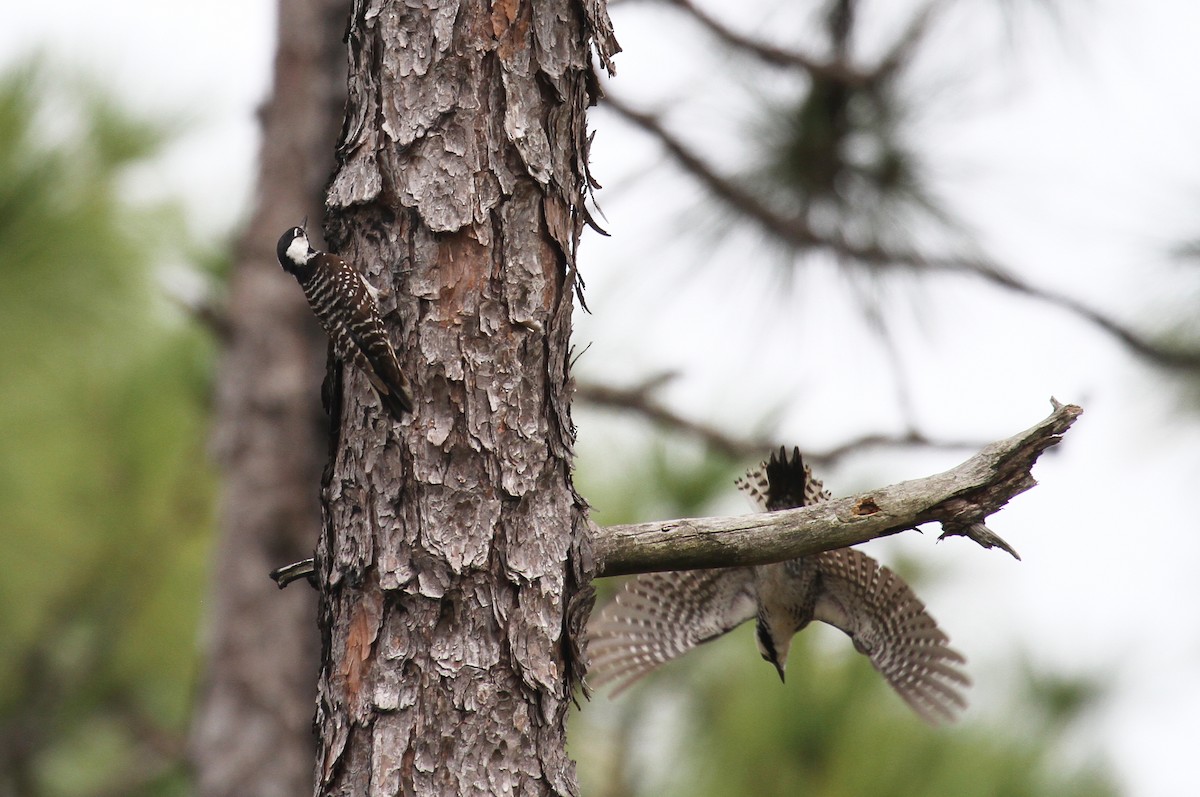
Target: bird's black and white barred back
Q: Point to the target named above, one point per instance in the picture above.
(346, 305)
(657, 617)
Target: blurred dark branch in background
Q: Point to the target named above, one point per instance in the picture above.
(836, 69)
(640, 400)
(744, 201)
(1161, 354)
(770, 54)
(795, 232)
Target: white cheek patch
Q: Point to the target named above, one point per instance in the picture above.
(297, 250)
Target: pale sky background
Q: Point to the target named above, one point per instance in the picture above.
(1071, 150)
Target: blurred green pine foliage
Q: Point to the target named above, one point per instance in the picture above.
(106, 494)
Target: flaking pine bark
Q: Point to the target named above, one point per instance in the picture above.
(454, 558)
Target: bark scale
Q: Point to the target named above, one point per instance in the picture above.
(454, 560)
(252, 729)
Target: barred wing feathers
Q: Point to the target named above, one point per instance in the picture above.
(889, 624)
(657, 617)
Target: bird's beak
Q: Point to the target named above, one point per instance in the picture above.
(780, 668)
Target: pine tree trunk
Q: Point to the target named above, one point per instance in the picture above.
(453, 560)
(252, 732)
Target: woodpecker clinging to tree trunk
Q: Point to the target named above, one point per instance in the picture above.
(657, 617)
(344, 303)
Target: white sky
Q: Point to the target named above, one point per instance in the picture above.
(1073, 153)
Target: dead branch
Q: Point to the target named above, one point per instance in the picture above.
(960, 499)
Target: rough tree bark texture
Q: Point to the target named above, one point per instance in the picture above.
(252, 733)
(453, 560)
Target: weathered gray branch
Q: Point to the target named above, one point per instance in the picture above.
(960, 499)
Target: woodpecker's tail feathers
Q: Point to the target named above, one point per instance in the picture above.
(398, 403)
(396, 396)
(782, 483)
(390, 383)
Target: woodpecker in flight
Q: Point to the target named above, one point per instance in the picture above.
(345, 304)
(657, 617)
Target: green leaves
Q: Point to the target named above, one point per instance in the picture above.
(105, 489)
